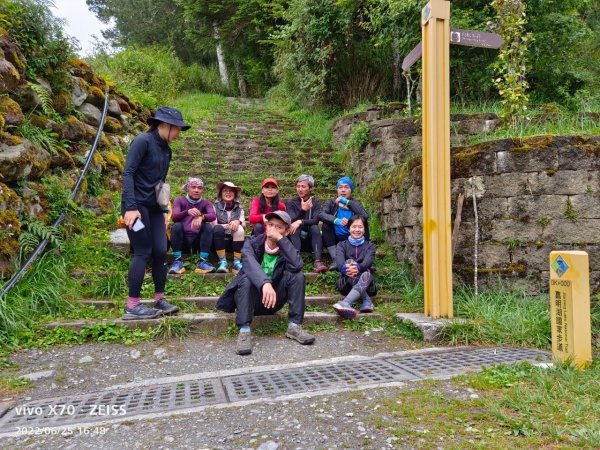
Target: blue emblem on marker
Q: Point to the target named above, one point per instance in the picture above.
(426, 12)
(560, 266)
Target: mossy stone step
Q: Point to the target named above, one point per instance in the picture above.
(210, 302)
(213, 323)
(205, 302)
(309, 276)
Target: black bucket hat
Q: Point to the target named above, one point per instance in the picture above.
(169, 115)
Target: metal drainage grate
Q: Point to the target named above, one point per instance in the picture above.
(138, 401)
(114, 404)
(460, 361)
(316, 378)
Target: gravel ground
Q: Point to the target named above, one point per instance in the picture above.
(351, 420)
(334, 421)
(91, 367)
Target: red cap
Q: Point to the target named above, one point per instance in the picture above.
(269, 180)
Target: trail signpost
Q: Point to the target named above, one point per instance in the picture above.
(435, 51)
(570, 307)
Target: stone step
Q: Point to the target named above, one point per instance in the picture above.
(211, 302)
(204, 322)
(310, 277)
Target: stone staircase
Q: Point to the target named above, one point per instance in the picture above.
(244, 144)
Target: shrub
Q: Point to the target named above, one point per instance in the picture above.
(41, 39)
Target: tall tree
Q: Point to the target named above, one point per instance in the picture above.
(145, 22)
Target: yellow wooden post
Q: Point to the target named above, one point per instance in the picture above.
(437, 255)
(570, 307)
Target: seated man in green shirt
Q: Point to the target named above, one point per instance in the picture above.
(271, 275)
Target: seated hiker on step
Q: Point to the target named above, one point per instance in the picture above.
(271, 276)
(191, 227)
(304, 212)
(354, 257)
(267, 201)
(230, 226)
(335, 215)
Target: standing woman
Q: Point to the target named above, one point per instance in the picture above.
(267, 202)
(146, 166)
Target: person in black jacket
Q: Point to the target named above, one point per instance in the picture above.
(271, 275)
(335, 215)
(146, 166)
(355, 257)
(304, 211)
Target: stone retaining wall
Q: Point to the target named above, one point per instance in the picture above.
(533, 195)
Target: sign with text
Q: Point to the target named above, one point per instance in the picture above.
(570, 307)
(468, 38)
(475, 38)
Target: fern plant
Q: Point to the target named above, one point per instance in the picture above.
(45, 138)
(33, 232)
(46, 102)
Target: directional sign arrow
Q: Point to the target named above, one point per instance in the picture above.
(459, 37)
(412, 57)
(475, 38)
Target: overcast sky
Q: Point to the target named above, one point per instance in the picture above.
(81, 23)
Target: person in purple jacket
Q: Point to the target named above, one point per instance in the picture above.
(192, 216)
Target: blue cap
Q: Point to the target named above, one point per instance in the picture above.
(345, 180)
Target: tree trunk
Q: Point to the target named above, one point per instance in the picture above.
(220, 56)
(240, 77)
(396, 70)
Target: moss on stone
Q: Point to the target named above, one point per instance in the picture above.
(8, 198)
(392, 180)
(10, 139)
(115, 160)
(62, 102)
(112, 125)
(10, 227)
(463, 160)
(531, 143)
(10, 110)
(96, 92)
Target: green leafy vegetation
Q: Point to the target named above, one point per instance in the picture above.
(499, 316)
(506, 406)
(46, 48)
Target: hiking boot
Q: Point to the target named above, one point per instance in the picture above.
(204, 266)
(298, 334)
(319, 267)
(141, 312)
(244, 343)
(222, 267)
(345, 310)
(166, 307)
(367, 305)
(177, 267)
(332, 267)
(237, 266)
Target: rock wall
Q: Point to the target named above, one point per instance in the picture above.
(67, 119)
(533, 195)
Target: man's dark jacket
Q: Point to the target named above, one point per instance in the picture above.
(252, 256)
(310, 217)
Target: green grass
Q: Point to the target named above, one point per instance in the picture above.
(516, 406)
(198, 106)
(500, 316)
(556, 122)
(11, 385)
(560, 404)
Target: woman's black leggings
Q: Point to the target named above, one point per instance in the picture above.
(149, 242)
